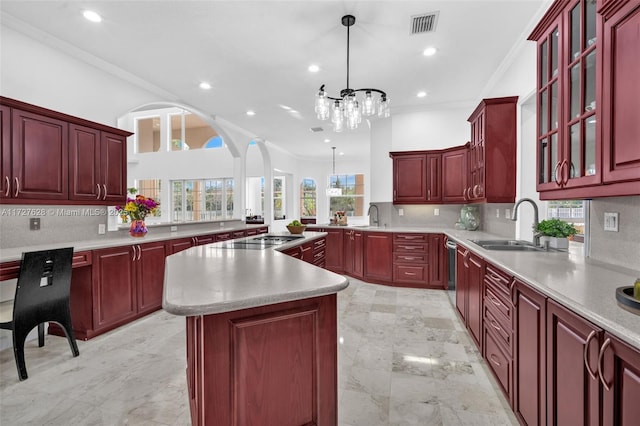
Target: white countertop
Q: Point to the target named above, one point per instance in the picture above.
(583, 285)
(210, 279)
(15, 253)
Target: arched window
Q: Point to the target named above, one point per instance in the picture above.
(308, 198)
(214, 142)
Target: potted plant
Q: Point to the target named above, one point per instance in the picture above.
(137, 209)
(556, 231)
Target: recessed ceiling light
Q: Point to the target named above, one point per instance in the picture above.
(92, 16)
(327, 140)
(429, 51)
(250, 112)
(205, 86)
(341, 153)
(421, 94)
(313, 68)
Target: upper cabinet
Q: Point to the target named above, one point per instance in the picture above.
(50, 157)
(588, 96)
(492, 152)
(621, 92)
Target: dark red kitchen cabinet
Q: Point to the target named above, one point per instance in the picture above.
(454, 175)
(492, 151)
(621, 94)
(113, 167)
(573, 388)
(378, 261)
(114, 283)
(39, 157)
(179, 244)
(620, 378)
(434, 178)
(438, 261)
(529, 402)
(469, 285)
(409, 178)
(150, 260)
(97, 166)
(5, 152)
(334, 251)
(353, 253)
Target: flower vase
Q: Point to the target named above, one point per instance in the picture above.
(137, 228)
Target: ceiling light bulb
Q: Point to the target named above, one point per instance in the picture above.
(313, 68)
(327, 140)
(429, 51)
(92, 16)
(205, 86)
(421, 94)
(251, 113)
(341, 153)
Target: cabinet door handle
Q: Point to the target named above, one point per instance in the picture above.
(104, 196)
(600, 366)
(465, 258)
(133, 258)
(555, 173)
(495, 360)
(8, 183)
(99, 191)
(585, 355)
(408, 258)
(495, 325)
(410, 273)
(17, 181)
(428, 194)
(495, 301)
(139, 252)
(514, 300)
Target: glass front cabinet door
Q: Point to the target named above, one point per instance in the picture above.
(567, 97)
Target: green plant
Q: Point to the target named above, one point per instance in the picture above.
(556, 228)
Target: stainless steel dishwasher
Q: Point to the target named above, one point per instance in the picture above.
(451, 249)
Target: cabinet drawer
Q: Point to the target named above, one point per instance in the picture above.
(500, 328)
(409, 238)
(410, 258)
(81, 258)
(318, 255)
(497, 303)
(410, 248)
(9, 270)
(319, 244)
(410, 273)
(499, 279)
(499, 362)
(223, 237)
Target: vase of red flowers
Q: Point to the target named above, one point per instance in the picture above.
(137, 209)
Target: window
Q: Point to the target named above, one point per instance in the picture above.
(151, 188)
(147, 134)
(308, 198)
(278, 197)
(352, 199)
(202, 200)
(572, 211)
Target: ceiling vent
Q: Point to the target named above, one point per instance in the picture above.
(424, 23)
(316, 129)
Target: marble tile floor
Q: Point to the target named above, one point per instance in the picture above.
(404, 359)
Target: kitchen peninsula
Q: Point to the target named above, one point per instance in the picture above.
(261, 333)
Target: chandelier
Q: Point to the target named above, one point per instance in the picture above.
(347, 109)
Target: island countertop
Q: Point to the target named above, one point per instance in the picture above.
(212, 279)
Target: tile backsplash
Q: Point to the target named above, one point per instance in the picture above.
(620, 248)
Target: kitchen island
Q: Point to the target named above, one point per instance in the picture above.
(261, 334)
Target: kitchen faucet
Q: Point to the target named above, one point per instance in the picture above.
(377, 221)
(514, 217)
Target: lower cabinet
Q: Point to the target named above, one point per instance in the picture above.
(438, 261)
(127, 283)
(469, 285)
(334, 253)
(378, 247)
(573, 386)
(270, 365)
(619, 372)
(529, 399)
(411, 259)
(354, 253)
(310, 252)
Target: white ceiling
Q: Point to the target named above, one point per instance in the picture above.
(255, 54)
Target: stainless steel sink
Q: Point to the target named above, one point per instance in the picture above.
(507, 245)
